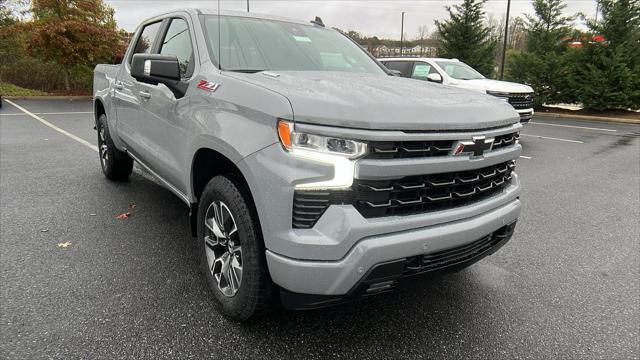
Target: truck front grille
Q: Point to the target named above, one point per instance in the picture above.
(517, 100)
(521, 100)
(419, 149)
(405, 196)
(417, 194)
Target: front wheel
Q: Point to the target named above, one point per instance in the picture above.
(232, 251)
(116, 165)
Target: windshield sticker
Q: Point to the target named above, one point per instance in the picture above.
(301, 38)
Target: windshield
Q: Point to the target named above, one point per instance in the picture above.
(459, 70)
(252, 45)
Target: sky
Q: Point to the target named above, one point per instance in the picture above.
(369, 17)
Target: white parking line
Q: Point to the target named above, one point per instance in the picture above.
(552, 138)
(45, 122)
(572, 126)
(53, 113)
(526, 157)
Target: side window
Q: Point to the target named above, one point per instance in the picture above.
(403, 66)
(421, 70)
(146, 39)
(178, 42)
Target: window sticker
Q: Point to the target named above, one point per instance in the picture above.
(301, 38)
(421, 70)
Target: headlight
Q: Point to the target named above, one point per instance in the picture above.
(341, 153)
(502, 95)
(293, 141)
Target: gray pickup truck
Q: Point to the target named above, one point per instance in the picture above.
(313, 175)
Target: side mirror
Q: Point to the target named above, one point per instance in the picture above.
(436, 78)
(395, 73)
(159, 69)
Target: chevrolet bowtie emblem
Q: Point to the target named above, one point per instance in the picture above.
(477, 146)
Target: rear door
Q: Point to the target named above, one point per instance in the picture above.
(127, 89)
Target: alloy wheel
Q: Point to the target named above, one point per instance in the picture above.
(104, 154)
(223, 248)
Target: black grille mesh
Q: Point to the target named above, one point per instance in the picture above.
(405, 196)
(418, 149)
(521, 101)
(451, 257)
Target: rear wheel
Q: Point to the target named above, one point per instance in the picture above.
(232, 251)
(116, 165)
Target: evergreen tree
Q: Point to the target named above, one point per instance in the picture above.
(608, 73)
(619, 23)
(466, 37)
(547, 28)
(544, 64)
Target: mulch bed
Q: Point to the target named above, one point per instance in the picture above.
(608, 113)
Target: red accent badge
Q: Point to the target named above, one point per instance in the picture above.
(208, 86)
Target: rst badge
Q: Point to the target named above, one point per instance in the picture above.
(208, 86)
(477, 146)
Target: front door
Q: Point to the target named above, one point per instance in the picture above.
(163, 115)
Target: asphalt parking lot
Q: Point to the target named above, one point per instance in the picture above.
(566, 286)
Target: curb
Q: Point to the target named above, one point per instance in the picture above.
(50, 97)
(586, 117)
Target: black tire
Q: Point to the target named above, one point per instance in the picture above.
(116, 165)
(255, 292)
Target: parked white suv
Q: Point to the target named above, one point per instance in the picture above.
(456, 73)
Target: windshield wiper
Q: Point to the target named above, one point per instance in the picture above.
(246, 71)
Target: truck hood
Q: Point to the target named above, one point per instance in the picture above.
(484, 85)
(382, 102)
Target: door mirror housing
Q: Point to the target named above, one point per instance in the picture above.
(157, 69)
(436, 78)
(393, 72)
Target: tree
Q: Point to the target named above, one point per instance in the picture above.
(609, 72)
(73, 33)
(545, 64)
(547, 28)
(466, 37)
(423, 33)
(619, 23)
(11, 38)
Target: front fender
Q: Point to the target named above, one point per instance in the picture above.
(236, 121)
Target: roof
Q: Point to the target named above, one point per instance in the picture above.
(252, 15)
(418, 58)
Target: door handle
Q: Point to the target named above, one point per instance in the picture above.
(145, 95)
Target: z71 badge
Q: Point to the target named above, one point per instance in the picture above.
(208, 86)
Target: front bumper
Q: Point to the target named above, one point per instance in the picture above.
(525, 115)
(340, 277)
(335, 254)
(384, 277)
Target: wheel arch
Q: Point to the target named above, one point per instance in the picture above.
(98, 109)
(206, 164)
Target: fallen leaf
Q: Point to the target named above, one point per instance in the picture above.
(64, 244)
(123, 216)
